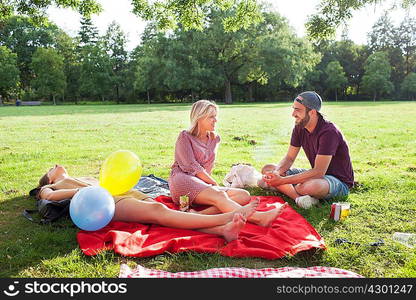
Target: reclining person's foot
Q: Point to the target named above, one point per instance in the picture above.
(306, 201)
(232, 229)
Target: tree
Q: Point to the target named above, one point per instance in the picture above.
(48, 66)
(406, 40)
(265, 53)
(409, 85)
(191, 14)
(166, 13)
(332, 13)
(67, 47)
(386, 37)
(382, 35)
(9, 73)
(376, 79)
(218, 64)
(95, 79)
(150, 62)
(35, 9)
(335, 76)
(115, 43)
(88, 33)
(23, 37)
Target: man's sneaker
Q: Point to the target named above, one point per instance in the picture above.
(306, 201)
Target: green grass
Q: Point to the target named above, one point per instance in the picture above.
(382, 142)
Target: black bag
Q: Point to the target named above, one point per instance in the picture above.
(49, 211)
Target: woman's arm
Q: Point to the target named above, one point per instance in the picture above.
(204, 176)
(51, 195)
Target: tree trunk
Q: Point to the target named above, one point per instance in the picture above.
(374, 96)
(192, 96)
(336, 96)
(54, 101)
(118, 94)
(148, 97)
(250, 92)
(228, 96)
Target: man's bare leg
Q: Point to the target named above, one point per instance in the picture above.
(317, 188)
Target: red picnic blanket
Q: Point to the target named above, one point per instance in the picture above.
(289, 234)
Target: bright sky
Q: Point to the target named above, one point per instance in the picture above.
(296, 11)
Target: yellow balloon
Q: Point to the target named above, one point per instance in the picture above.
(120, 172)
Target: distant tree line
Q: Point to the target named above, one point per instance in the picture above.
(264, 61)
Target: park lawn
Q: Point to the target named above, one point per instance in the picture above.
(382, 142)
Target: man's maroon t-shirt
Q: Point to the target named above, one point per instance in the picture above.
(326, 139)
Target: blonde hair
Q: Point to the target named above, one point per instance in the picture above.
(201, 109)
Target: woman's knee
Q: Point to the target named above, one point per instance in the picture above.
(241, 197)
(211, 196)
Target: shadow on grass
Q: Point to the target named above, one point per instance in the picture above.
(24, 244)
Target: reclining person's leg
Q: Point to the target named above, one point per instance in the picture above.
(133, 210)
(227, 225)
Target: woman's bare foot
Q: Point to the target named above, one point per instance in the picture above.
(266, 218)
(248, 209)
(232, 229)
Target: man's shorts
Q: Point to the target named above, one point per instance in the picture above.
(338, 190)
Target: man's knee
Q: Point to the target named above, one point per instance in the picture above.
(312, 187)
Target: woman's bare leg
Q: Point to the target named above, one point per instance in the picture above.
(215, 197)
(133, 210)
(240, 196)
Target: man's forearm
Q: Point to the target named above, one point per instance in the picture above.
(302, 177)
(284, 165)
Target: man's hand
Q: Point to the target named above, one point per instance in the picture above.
(273, 179)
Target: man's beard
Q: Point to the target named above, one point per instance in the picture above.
(303, 122)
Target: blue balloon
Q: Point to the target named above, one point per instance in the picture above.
(92, 208)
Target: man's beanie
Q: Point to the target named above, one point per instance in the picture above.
(310, 99)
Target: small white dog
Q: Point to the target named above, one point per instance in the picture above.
(241, 176)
